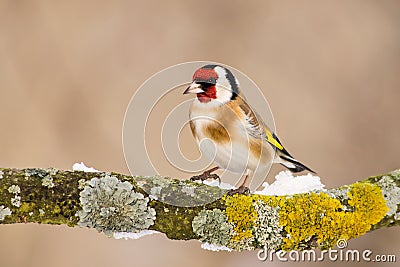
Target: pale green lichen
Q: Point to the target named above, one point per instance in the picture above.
(1, 174)
(35, 172)
(110, 205)
(341, 195)
(189, 190)
(41, 212)
(16, 201)
(267, 230)
(338, 193)
(245, 243)
(157, 180)
(14, 189)
(47, 181)
(52, 171)
(177, 193)
(391, 193)
(212, 226)
(154, 186)
(4, 212)
(396, 173)
(155, 192)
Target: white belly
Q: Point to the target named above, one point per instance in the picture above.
(226, 156)
(235, 155)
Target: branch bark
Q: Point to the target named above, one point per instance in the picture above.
(112, 202)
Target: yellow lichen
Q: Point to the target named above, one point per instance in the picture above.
(26, 207)
(312, 219)
(367, 198)
(241, 213)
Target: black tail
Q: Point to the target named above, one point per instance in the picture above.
(288, 161)
(293, 165)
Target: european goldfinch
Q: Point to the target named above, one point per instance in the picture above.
(240, 141)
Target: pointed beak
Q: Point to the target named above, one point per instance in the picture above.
(194, 88)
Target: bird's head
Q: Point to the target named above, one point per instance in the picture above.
(213, 84)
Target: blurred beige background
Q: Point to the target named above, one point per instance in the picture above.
(330, 70)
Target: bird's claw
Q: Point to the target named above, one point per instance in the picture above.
(205, 176)
(240, 190)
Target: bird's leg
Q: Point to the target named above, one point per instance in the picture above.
(206, 175)
(242, 189)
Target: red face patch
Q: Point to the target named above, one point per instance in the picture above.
(205, 74)
(210, 93)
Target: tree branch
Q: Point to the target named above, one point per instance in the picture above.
(112, 202)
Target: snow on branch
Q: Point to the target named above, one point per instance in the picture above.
(293, 213)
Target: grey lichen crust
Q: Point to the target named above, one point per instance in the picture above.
(212, 227)
(47, 181)
(45, 174)
(4, 212)
(391, 194)
(178, 193)
(14, 189)
(246, 243)
(16, 200)
(341, 194)
(110, 205)
(112, 202)
(267, 230)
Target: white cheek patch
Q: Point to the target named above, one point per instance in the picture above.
(224, 94)
(224, 90)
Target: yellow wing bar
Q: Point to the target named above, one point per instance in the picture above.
(272, 140)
